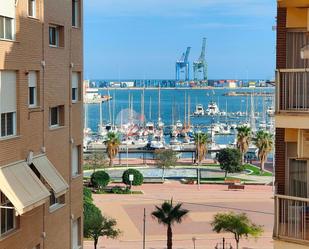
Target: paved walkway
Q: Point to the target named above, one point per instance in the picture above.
(203, 203)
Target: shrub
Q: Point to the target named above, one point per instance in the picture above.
(87, 195)
(100, 179)
(138, 177)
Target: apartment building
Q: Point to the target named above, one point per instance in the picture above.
(291, 228)
(41, 63)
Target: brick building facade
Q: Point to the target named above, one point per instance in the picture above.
(41, 64)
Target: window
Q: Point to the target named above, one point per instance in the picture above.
(298, 178)
(76, 234)
(7, 214)
(7, 103)
(6, 28)
(76, 169)
(56, 201)
(32, 8)
(8, 124)
(32, 86)
(75, 86)
(75, 13)
(57, 116)
(56, 36)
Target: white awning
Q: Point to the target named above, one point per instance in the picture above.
(51, 175)
(22, 187)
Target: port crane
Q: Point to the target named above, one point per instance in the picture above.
(183, 66)
(200, 66)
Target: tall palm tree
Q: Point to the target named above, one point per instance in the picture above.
(168, 214)
(243, 140)
(112, 146)
(264, 142)
(201, 141)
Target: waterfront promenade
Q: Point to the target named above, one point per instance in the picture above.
(203, 203)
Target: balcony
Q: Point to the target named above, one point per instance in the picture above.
(292, 90)
(291, 219)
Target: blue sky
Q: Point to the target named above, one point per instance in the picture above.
(143, 38)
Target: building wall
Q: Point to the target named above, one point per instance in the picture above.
(33, 132)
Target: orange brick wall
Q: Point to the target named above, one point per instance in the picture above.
(33, 133)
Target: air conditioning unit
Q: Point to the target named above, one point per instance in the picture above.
(303, 144)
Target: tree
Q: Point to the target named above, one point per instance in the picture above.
(168, 214)
(97, 160)
(230, 160)
(243, 140)
(112, 146)
(264, 142)
(96, 225)
(100, 179)
(166, 159)
(138, 177)
(201, 141)
(237, 224)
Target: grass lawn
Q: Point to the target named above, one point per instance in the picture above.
(256, 171)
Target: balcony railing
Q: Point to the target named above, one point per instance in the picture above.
(291, 218)
(292, 90)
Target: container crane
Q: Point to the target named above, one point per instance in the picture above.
(200, 66)
(182, 65)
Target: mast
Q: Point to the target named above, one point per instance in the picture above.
(159, 104)
(252, 115)
(114, 107)
(109, 108)
(101, 119)
(150, 109)
(185, 119)
(189, 111)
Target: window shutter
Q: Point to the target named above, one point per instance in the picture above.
(32, 80)
(75, 162)
(75, 79)
(7, 91)
(7, 8)
(75, 235)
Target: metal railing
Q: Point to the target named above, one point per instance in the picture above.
(292, 90)
(291, 218)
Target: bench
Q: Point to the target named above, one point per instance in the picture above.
(234, 184)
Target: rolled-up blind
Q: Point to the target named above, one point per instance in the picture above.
(7, 91)
(32, 79)
(75, 79)
(7, 8)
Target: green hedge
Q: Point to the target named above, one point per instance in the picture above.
(138, 177)
(100, 179)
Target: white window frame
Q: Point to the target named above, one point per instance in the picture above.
(14, 125)
(78, 237)
(75, 162)
(76, 10)
(35, 93)
(3, 209)
(58, 117)
(4, 28)
(57, 31)
(33, 8)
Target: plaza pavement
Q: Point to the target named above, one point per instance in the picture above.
(203, 203)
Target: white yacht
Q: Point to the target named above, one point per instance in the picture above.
(179, 124)
(199, 110)
(270, 111)
(212, 109)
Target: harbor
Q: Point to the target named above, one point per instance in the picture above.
(169, 119)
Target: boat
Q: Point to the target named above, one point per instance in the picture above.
(199, 110)
(212, 109)
(270, 111)
(157, 142)
(179, 124)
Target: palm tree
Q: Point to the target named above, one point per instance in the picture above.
(243, 140)
(168, 214)
(112, 146)
(264, 142)
(201, 141)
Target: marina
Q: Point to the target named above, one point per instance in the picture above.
(147, 120)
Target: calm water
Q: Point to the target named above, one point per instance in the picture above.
(176, 98)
